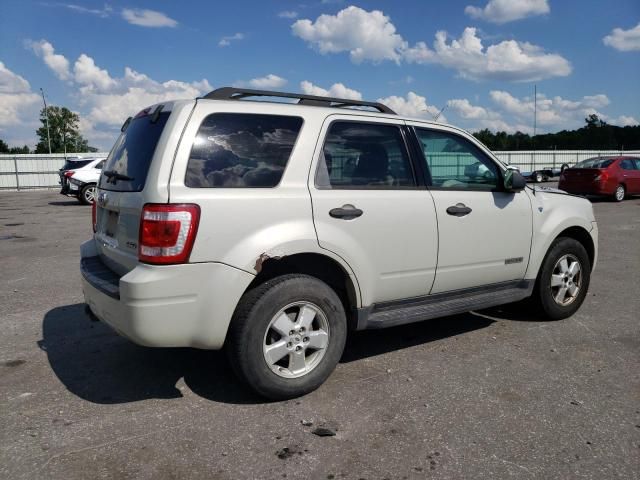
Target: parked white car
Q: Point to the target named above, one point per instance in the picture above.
(81, 182)
(271, 229)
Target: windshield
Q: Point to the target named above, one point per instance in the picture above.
(594, 163)
(128, 162)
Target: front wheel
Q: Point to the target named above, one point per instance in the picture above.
(87, 194)
(563, 280)
(286, 336)
(537, 177)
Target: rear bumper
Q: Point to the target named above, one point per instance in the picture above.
(187, 305)
(586, 189)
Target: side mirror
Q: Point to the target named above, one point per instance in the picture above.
(514, 181)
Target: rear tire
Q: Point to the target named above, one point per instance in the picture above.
(619, 193)
(287, 336)
(563, 279)
(88, 194)
(537, 176)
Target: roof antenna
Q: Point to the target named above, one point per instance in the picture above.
(435, 119)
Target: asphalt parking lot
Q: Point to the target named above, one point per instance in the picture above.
(496, 394)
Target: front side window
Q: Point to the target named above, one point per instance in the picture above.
(237, 150)
(457, 164)
(364, 156)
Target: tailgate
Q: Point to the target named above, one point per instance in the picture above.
(121, 188)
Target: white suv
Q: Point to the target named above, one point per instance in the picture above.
(81, 177)
(271, 229)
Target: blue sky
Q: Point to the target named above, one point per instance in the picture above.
(479, 58)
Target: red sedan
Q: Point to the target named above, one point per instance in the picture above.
(616, 177)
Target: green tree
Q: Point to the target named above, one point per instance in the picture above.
(63, 130)
(4, 148)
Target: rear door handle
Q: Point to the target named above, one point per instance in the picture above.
(459, 210)
(346, 212)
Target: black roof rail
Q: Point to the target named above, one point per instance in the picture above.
(233, 93)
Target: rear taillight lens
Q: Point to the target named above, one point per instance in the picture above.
(167, 232)
(600, 177)
(69, 173)
(94, 215)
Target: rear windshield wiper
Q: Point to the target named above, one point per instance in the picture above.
(114, 176)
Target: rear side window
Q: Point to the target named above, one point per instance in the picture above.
(127, 165)
(364, 156)
(597, 162)
(236, 150)
(75, 164)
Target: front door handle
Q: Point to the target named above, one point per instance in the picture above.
(459, 210)
(346, 212)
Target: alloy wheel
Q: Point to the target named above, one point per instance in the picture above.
(296, 340)
(566, 280)
(90, 194)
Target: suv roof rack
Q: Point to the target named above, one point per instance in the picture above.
(233, 93)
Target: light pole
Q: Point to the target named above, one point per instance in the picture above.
(46, 112)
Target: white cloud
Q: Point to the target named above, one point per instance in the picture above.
(503, 11)
(17, 101)
(624, 40)
(288, 14)
(476, 117)
(553, 113)
(337, 90)
(12, 82)
(266, 82)
(465, 109)
(508, 60)
(103, 12)
(371, 36)
(105, 101)
(625, 121)
(87, 73)
(226, 41)
(57, 63)
(365, 35)
(147, 18)
(413, 105)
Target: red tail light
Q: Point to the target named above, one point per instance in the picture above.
(601, 177)
(94, 215)
(69, 173)
(167, 232)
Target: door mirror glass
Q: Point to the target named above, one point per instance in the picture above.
(514, 181)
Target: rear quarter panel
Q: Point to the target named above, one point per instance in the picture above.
(242, 227)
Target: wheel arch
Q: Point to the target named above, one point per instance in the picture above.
(581, 235)
(316, 265)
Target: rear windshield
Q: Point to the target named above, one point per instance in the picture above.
(128, 162)
(236, 150)
(594, 163)
(72, 165)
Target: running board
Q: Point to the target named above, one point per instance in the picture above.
(390, 314)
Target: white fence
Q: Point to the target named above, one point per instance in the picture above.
(529, 161)
(28, 171)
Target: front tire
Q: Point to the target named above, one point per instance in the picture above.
(563, 280)
(619, 193)
(287, 336)
(88, 194)
(538, 177)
